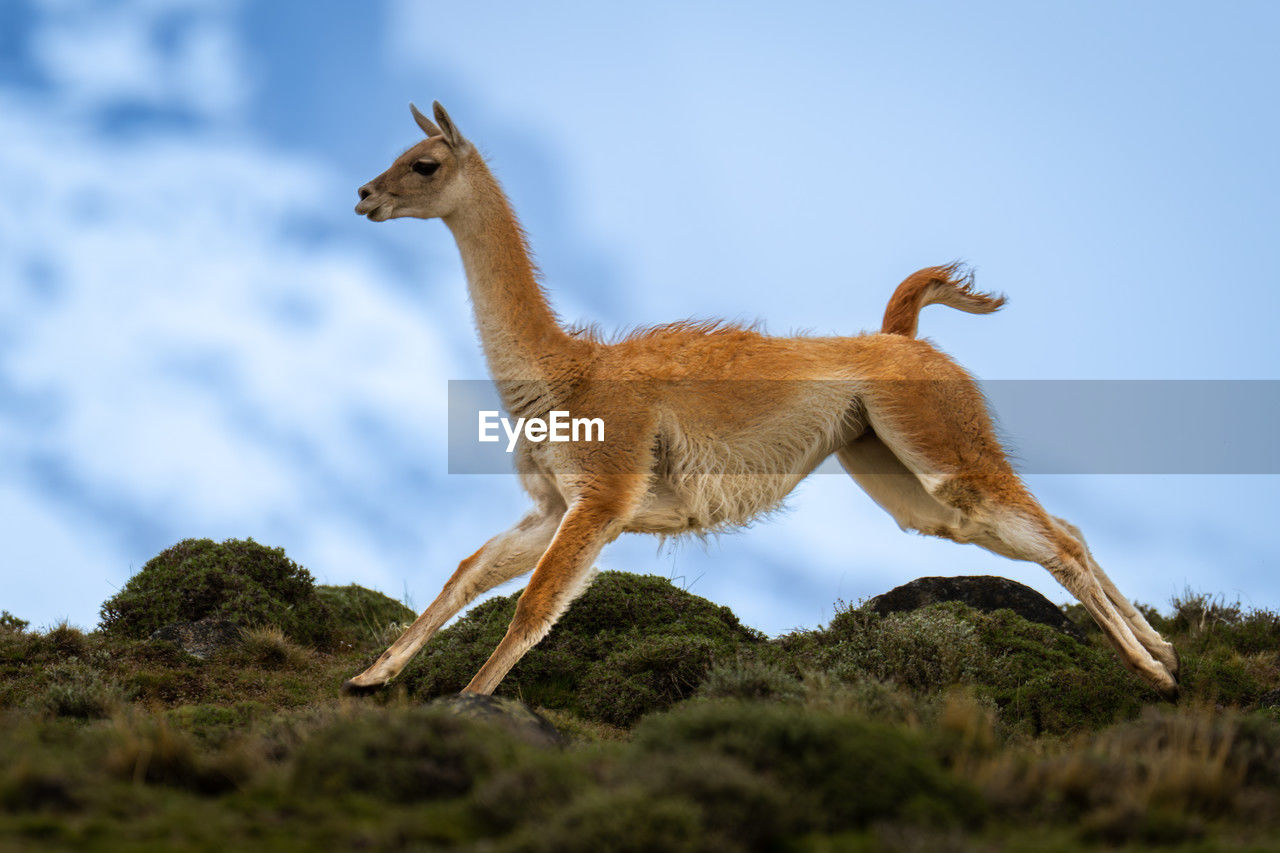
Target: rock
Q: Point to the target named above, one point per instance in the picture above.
(202, 638)
(516, 717)
(981, 592)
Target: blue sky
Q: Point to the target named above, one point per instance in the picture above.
(198, 338)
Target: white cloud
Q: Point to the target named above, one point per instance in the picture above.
(104, 54)
(171, 283)
(173, 353)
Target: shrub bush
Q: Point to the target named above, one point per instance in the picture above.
(542, 784)
(649, 675)
(927, 649)
(883, 701)
(1153, 780)
(627, 820)
(402, 755)
(363, 615)
(150, 750)
(1051, 683)
(839, 771)
(628, 798)
(629, 645)
(77, 691)
(1038, 677)
(268, 648)
(739, 807)
(59, 643)
(747, 678)
(237, 580)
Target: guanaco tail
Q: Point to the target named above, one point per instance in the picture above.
(950, 285)
(709, 426)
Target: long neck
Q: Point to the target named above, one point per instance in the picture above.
(521, 337)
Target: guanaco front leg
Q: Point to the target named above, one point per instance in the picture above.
(563, 573)
(502, 558)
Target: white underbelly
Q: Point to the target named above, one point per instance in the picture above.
(705, 503)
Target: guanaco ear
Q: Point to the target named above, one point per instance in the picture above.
(423, 122)
(448, 128)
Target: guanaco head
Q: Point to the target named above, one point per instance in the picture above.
(428, 180)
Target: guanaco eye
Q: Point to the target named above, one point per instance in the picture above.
(426, 168)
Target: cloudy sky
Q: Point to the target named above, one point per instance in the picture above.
(198, 337)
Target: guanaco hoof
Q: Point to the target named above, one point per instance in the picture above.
(350, 688)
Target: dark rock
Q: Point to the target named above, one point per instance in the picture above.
(516, 717)
(981, 592)
(202, 638)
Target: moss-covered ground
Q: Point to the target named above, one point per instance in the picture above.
(942, 729)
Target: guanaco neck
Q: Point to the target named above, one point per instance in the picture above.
(522, 339)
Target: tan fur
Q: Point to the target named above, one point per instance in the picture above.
(950, 285)
(709, 426)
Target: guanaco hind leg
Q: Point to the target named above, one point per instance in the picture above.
(1030, 531)
(891, 485)
(505, 556)
(1160, 649)
(997, 513)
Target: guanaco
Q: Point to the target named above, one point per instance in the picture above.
(710, 425)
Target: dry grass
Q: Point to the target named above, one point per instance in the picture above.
(268, 647)
(782, 744)
(1158, 779)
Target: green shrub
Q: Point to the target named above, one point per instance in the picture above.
(1207, 623)
(748, 678)
(266, 647)
(629, 645)
(149, 750)
(9, 622)
(627, 820)
(630, 798)
(60, 642)
(739, 807)
(1256, 748)
(363, 615)
(839, 771)
(237, 580)
(1157, 779)
(402, 755)
(927, 649)
(650, 675)
(867, 734)
(883, 701)
(1196, 614)
(542, 784)
(26, 787)
(1038, 677)
(1049, 681)
(216, 725)
(1223, 675)
(80, 692)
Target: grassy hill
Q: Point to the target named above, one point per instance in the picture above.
(943, 728)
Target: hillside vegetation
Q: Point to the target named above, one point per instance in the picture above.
(941, 728)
